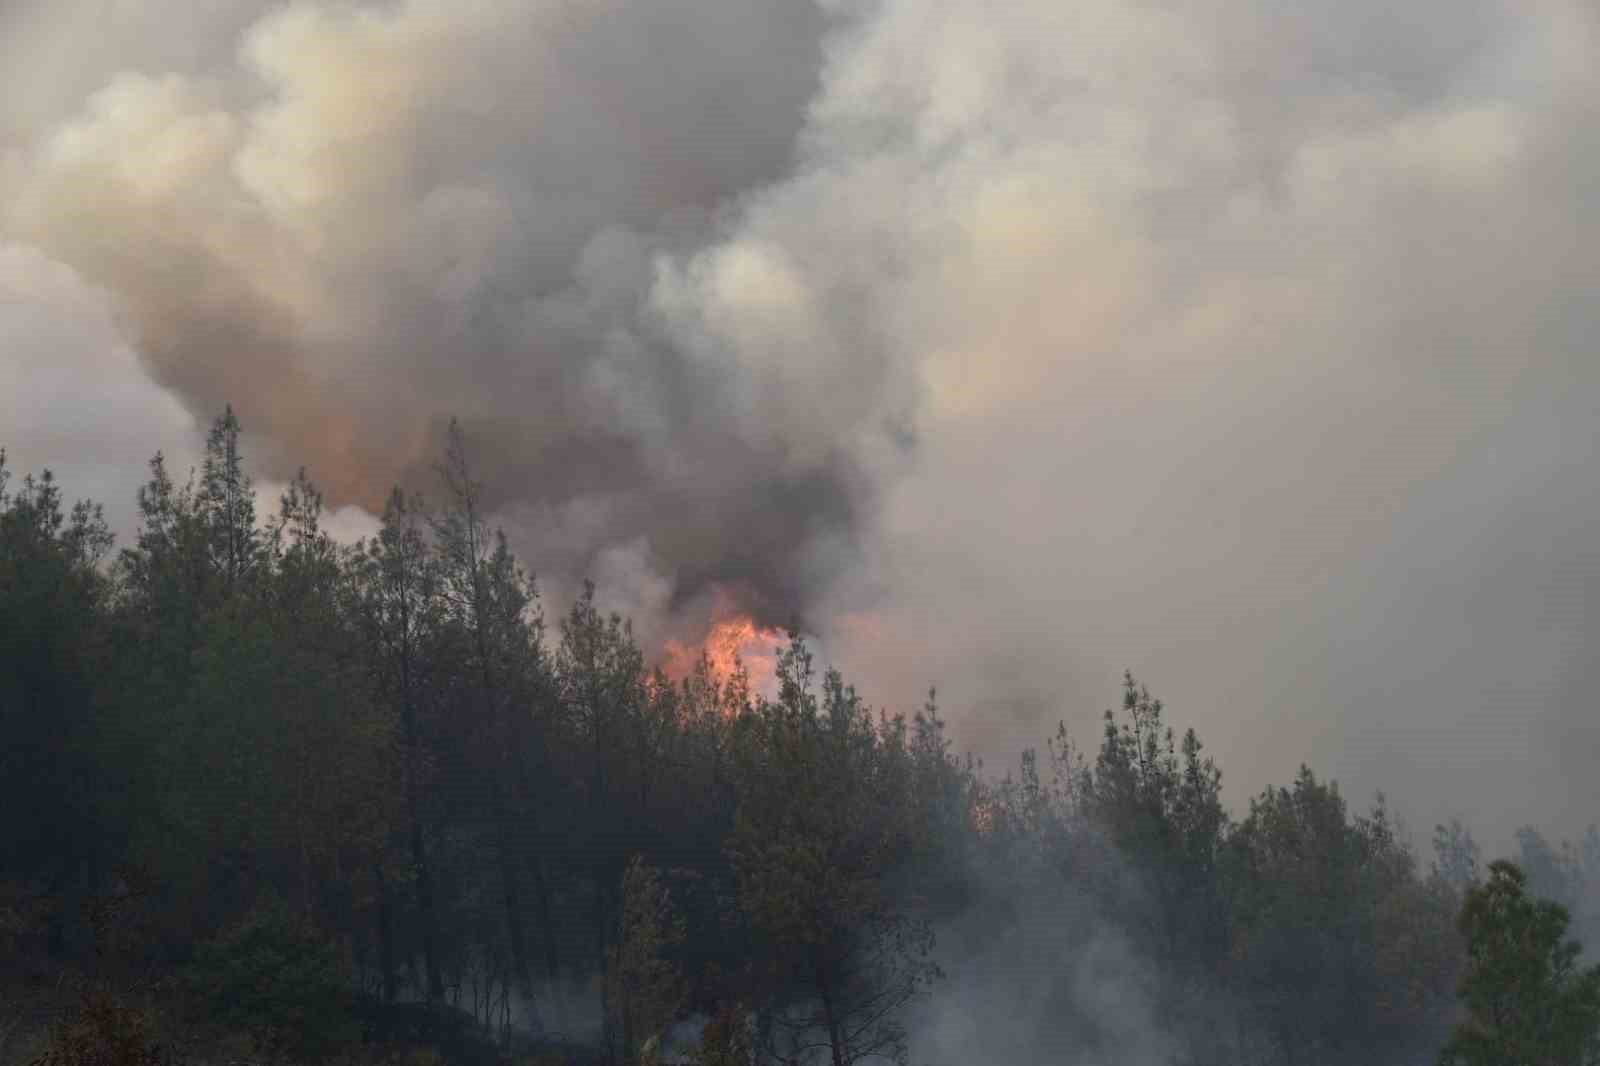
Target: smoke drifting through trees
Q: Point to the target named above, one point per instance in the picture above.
(309, 781)
(1185, 328)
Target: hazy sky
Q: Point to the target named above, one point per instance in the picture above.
(1253, 346)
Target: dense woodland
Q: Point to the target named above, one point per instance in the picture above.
(265, 796)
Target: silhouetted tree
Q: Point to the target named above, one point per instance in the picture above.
(1456, 855)
(59, 789)
(492, 600)
(236, 712)
(400, 610)
(822, 825)
(1161, 804)
(1314, 891)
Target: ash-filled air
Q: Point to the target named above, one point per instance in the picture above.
(1004, 346)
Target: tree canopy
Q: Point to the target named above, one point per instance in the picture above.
(377, 771)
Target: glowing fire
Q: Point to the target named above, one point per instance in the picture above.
(730, 642)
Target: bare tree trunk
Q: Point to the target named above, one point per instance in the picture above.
(605, 972)
(541, 887)
(513, 903)
(419, 850)
(491, 705)
(385, 933)
(835, 1030)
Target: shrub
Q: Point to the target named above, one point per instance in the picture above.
(105, 1031)
(274, 978)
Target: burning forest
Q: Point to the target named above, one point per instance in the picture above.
(734, 642)
(604, 532)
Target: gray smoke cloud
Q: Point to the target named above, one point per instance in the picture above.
(1047, 978)
(1249, 345)
(353, 222)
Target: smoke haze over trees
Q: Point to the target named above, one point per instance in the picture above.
(1253, 345)
(314, 781)
(990, 347)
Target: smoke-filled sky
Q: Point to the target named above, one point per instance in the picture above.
(1254, 346)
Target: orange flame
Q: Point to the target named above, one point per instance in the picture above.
(730, 643)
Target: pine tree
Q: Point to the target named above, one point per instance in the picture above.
(400, 607)
(1161, 804)
(1528, 1001)
(644, 987)
(59, 790)
(494, 602)
(226, 502)
(822, 823)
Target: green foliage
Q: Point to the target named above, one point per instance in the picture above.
(1527, 999)
(274, 978)
(60, 780)
(825, 818)
(1161, 804)
(1322, 898)
(49, 593)
(241, 708)
(227, 504)
(643, 986)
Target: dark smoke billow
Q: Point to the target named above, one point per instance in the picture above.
(355, 223)
(1006, 346)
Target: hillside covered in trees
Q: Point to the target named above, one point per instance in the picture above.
(266, 796)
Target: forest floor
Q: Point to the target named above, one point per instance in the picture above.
(50, 1014)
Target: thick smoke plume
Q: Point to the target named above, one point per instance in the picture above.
(355, 222)
(1249, 344)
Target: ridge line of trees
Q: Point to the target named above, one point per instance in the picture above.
(376, 765)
